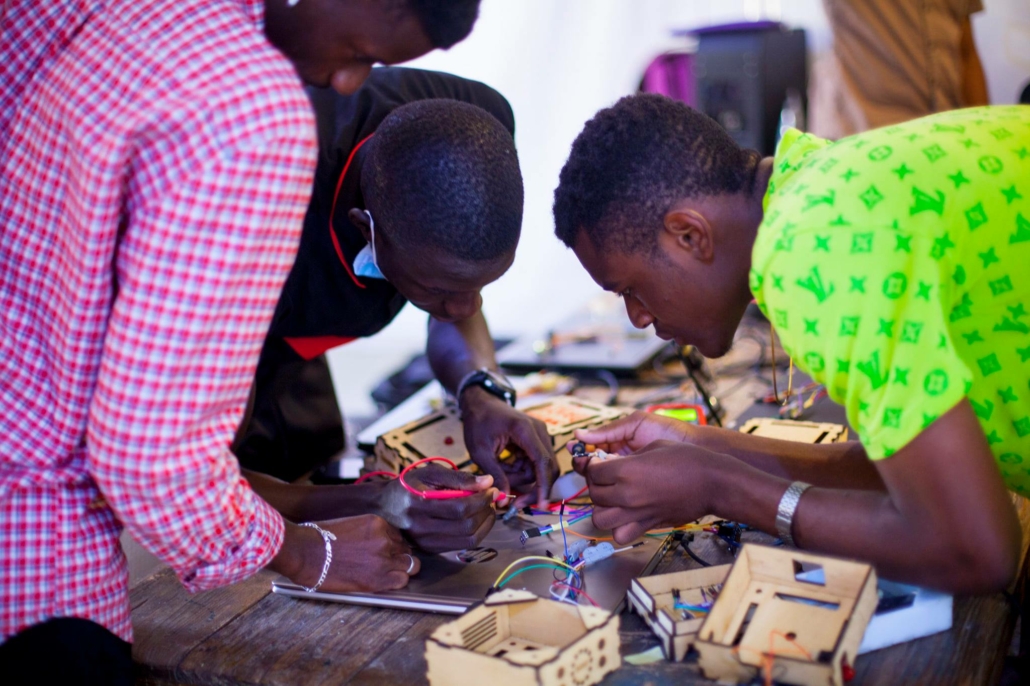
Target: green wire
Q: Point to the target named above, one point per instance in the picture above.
(526, 569)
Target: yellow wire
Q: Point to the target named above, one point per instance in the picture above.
(531, 557)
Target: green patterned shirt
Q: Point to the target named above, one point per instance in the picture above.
(895, 266)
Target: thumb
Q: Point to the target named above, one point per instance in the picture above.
(627, 533)
(451, 479)
(495, 472)
(611, 436)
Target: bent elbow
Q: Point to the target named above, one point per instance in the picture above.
(989, 566)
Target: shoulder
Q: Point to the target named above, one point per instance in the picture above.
(208, 66)
(388, 88)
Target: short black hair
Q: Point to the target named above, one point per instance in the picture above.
(446, 22)
(633, 160)
(445, 173)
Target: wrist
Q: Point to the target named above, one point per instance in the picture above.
(290, 561)
(475, 396)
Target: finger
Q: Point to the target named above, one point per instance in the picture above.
(627, 533)
(448, 509)
(442, 542)
(580, 464)
(393, 581)
(488, 462)
(612, 436)
(451, 479)
(403, 562)
(519, 472)
(610, 518)
(600, 472)
(542, 454)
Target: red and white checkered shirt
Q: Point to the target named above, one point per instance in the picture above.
(156, 161)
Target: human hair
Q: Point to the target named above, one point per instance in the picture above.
(446, 22)
(633, 161)
(445, 174)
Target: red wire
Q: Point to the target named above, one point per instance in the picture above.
(433, 495)
(579, 591)
(366, 477)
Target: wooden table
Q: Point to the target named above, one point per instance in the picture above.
(246, 635)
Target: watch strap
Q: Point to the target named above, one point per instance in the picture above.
(493, 382)
(785, 512)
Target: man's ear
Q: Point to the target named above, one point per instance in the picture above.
(360, 219)
(688, 231)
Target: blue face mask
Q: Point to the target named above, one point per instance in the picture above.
(365, 263)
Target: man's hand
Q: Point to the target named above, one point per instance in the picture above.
(636, 431)
(437, 526)
(491, 425)
(369, 556)
(665, 484)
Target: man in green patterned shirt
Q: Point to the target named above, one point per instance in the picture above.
(895, 267)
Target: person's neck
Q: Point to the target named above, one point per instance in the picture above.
(755, 213)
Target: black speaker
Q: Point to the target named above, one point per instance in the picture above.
(747, 77)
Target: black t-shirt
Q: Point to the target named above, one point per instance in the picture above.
(323, 304)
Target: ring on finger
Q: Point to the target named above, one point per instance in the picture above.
(411, 565)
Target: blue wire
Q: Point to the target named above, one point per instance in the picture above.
(564, 538)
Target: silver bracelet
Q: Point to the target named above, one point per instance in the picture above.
(785, 512)
(328, 537)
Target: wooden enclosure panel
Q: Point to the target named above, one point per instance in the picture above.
(844, 578)
(586, 661)
(861, 615)
(546, 621)
(456, 667)
(692, 578)
(720, 663)
(814, 629)
(479, 629)
(730, 610)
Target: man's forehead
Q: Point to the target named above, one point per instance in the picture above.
(598, 263)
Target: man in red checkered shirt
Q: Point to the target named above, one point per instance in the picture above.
(156, 160)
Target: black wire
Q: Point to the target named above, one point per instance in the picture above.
(701, 390)
(693, 556)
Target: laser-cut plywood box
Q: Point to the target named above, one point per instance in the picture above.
(652, 598)
(794, 430)
(517, 639)
(441, 434)
(776, 606)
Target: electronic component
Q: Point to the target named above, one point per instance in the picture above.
(441, 434)
(685, 412)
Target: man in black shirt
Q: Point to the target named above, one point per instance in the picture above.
(418, 197)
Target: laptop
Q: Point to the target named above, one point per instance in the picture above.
(450, 583)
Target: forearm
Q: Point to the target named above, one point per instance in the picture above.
(308, 503)
(905, 544)
(455, 349)
(831, 465)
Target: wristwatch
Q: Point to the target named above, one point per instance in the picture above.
(492, 382)
(785, 512)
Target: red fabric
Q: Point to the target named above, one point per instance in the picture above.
(156, 161)
(311, 347)
(332, 211)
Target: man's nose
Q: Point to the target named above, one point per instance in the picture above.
(638, 314)
(349, 79)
